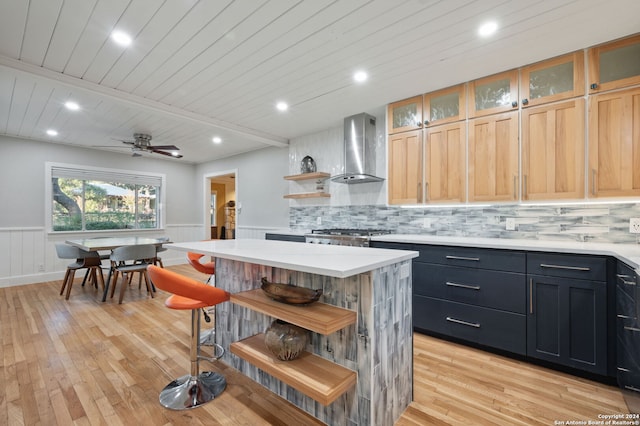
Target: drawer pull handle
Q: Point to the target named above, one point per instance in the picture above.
(631, 388)
(457, 321)
(622, 276)
(470, 287)
(473, 259)
(632, 328)
(625, 316)
(571, 268)
(624, 370)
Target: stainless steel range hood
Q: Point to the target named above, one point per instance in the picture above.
(359, 150)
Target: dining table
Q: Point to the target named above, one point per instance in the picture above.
(110, 243)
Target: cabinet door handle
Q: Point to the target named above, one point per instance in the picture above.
(624, 370)
(531, 295)
(632, 328)
(470, 287)
(473, 259)
(631, 388)
(419, 192)
(593, 181)
(571, 268)
(524, 187)
(515, 184)
(426, 191)
(457, 321)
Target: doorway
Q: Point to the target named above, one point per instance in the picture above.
(220, 205)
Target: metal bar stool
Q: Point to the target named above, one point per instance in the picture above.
(194, 389)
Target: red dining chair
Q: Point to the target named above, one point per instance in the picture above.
(195, 388)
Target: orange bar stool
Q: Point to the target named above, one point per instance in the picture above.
(208, 268)
(194, 389)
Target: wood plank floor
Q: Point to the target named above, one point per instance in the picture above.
(85, 362)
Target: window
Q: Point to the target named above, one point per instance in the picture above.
(92, 199)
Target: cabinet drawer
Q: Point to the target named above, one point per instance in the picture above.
(499, 260)
(626, 292)
(285, 237)
(491, 289)
(628, 344)
(590, 268)
(489, 327)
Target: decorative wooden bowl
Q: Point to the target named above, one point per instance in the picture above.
(291, 294)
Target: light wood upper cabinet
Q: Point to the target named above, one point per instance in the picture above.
(404, 115)
(405, 168)
(493, 158)
(552, 80)
(493, 94)
(614, 65)
(553, 151)
(445, 106)
(444, 158)
(614, 144)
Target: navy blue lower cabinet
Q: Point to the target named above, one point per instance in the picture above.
(628, 328)
(489, 327)
(567, 322)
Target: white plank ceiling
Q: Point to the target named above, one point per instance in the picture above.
(197, 69)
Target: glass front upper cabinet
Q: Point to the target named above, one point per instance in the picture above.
(553, 80)
(445, 106)
(614, 65)
(405, 115)
(493, 94)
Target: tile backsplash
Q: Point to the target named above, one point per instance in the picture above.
(364, 205)
(607, 223)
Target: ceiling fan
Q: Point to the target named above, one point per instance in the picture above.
(142, 143)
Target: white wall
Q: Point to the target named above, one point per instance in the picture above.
(28, 248)
(260, 189)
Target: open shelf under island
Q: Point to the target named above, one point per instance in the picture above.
(361, 329)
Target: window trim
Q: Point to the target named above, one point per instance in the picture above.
(100, 172)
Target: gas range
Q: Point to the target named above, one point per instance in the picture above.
(344, 236)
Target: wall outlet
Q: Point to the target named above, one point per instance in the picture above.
(319, 220)
(426, 222)
(41, 268)
(510, 224)
(634, 225)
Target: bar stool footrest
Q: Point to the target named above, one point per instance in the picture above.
(192, 391)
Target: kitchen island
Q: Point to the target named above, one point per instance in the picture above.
(357, 368)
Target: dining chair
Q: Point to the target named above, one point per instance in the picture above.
(128, 260)
(84, 260)
(159, 248)
(195, 388)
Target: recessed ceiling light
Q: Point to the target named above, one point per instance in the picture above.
(217, 139)
(282, 106)
(360, 76)
(73, 106)
(488, 28)
(52, 132)
(121, 38)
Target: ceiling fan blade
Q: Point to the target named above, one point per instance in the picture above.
(168, 154)
(165, 147)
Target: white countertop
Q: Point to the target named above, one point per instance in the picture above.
(333, 261)
(628, 253)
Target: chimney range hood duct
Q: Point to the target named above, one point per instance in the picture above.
(359, 150)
